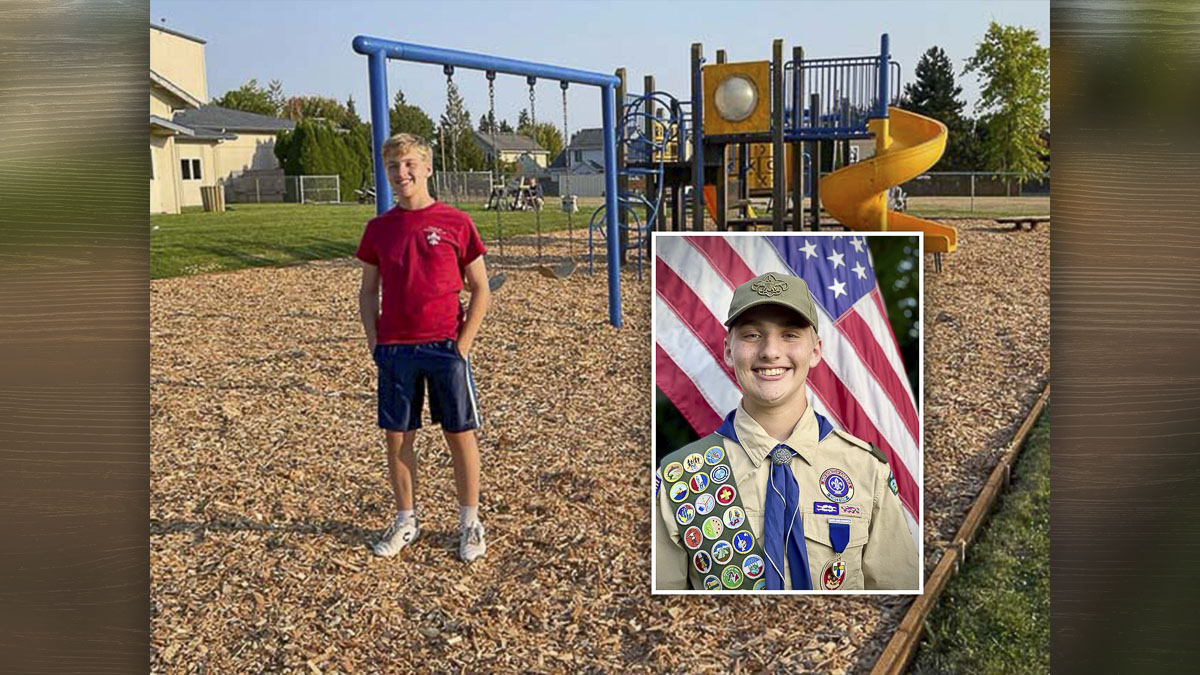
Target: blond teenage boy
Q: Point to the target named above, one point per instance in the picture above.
(420, 336)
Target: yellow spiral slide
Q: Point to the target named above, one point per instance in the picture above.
(906, 145)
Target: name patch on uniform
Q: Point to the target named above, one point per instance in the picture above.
(825, 508)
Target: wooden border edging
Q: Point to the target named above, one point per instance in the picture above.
(903, 645)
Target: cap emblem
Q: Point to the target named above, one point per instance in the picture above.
(769, 287)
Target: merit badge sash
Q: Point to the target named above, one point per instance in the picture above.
(713, 527)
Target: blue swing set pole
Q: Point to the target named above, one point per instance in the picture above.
(378, 51)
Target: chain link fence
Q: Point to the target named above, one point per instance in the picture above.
(271, 186)
(975, 184)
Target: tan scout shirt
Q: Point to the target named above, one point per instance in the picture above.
(880, 553)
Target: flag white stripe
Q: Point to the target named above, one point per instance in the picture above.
(694, 359)
(695, 271)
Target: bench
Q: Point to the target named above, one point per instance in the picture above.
(1024, 222)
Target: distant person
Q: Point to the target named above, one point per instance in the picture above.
(420, 336)
(535, 193)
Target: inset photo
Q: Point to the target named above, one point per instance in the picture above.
(787, 427)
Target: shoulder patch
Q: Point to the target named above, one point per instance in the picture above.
(864, 445)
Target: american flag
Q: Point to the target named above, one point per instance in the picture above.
(860, 385)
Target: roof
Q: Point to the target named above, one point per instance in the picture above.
(587, 138)
(560, 162)
(156, 121)
(202, 134)
(224, 119)
(173, 89)
(507, 142)
(176, 33)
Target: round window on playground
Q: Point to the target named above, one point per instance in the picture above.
(736, 98)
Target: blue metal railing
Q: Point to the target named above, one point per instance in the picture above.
(850, 91)
(378, 51)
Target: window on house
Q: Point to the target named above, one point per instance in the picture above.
(578, 155)
(190, 168)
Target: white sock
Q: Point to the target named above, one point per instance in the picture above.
(467, 515)
(403, 516)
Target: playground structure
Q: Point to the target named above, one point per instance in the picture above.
(378, 51)
(660, 149)
(753, 112)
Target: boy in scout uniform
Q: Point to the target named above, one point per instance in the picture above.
(776, 498)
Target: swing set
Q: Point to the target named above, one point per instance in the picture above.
(378, 51)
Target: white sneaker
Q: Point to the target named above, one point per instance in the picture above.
(471, 545)
(397, 536)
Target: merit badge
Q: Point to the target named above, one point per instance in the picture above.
(692, 538)
(673, 472)
(712, 527)
(834, 574)
(892, 483)
(760, 585)
(693, 462)
(851, 510)
(703, 561)
(712, 583)
(719, 474)
(714, 454)
(836, 485)
(685, 514)
(679, 492)
(732, 576)
(725, 495)
(722, 552)
(734, 517)
(753, 566)
(699, 482)
(743, 541)
(705, 503)
(827, 508)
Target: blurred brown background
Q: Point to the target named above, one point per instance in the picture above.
(74, 337)
(1125, 315)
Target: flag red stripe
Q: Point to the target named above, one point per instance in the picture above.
(854, 420)
(724, 259)
(686, 305)
(683, 393)
(858, 333)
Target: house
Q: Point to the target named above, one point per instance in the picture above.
(522, 150)
(585, 153)
(193, 144)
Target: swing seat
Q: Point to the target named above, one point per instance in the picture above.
(496, 281)
(560, 271)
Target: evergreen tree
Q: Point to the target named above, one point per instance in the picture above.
(409, 119)
(276, 97)
(458, 134)
(935, 94)
(505, 127)
(1014, 98)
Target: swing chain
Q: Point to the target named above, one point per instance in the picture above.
(491, 78)
(566, 191)
(449, 71)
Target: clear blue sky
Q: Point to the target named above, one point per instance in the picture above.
(306, 45)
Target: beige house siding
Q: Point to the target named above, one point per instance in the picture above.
(164, 183)
(159, 105)
(181, 61)
(190, 188)
(250, 151)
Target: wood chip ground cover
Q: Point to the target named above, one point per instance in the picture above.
(268, 479)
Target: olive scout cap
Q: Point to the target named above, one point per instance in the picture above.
(773, 288)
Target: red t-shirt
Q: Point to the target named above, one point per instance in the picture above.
(422, 256)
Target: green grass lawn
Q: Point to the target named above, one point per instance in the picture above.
(994, 617)
(264, 235)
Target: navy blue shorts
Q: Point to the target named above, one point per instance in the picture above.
(406, 371)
